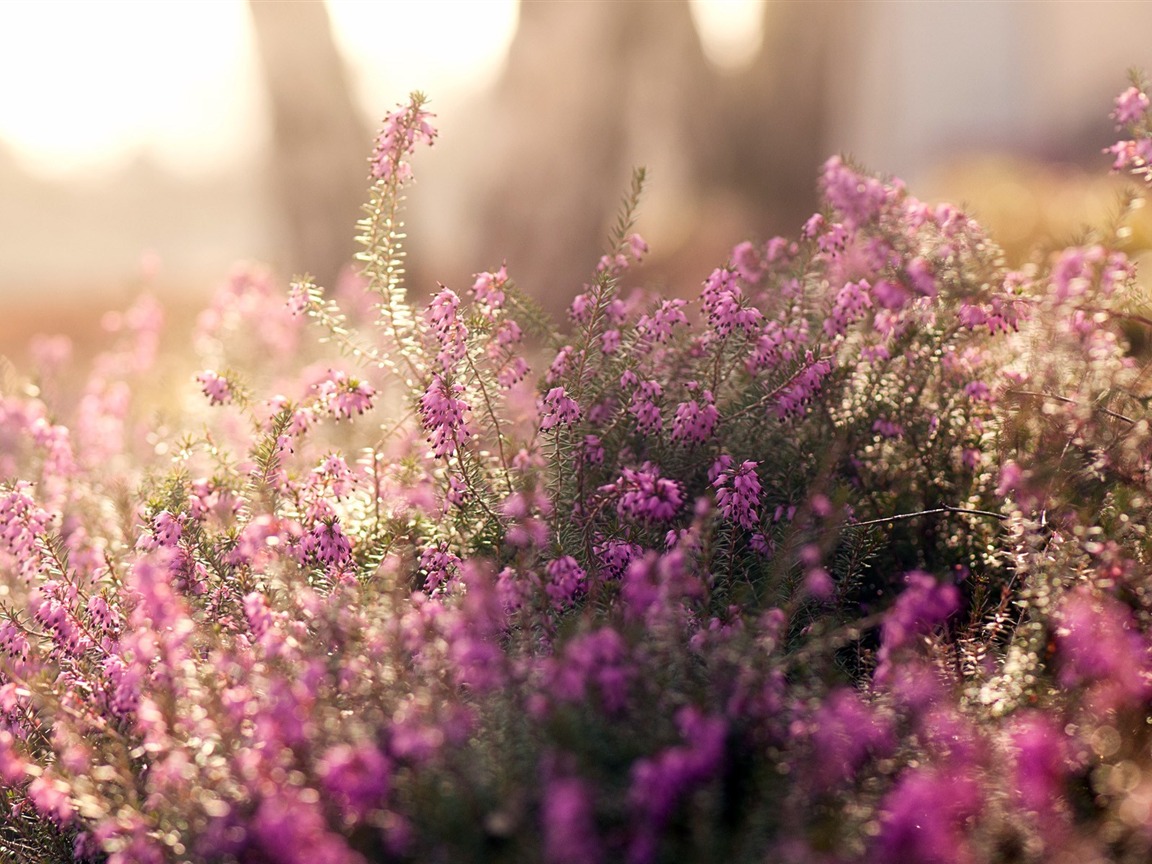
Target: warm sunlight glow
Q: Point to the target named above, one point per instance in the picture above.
(444, 47)
(88, 85)
(730, 30)
(85, 86)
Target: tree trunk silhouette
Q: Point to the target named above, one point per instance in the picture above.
(590, 90)
(319, 142)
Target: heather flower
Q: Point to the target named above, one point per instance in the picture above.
(722, 300)
(448, 330)
(643, 495)
(777, 343)
(1041, 760)
(568, 813)
(637, 247)
(513, 372)
(357, 777)
(747, 261)
(846, 732)
(848, 307)
(599, 659)
(857, 198)
(694, 423)
(1131, 107)
(560, 365)
(565, 580)
(488, 289)
(924, 603)
(659, 325)
(403, 129)
(610, 342)
(440, 567)
(216, 387)
(580, 310)
(920, 277)
(924, 818)
(327, 544)
(660, 783)
(1099, 643)
(891, 295)
(644, 408)
(342, 396)
(802, 387)
(738, 495)
(614, 556)
(888, 428)
(445, 416)
(557, 409)
(593, 450)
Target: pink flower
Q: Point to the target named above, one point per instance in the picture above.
(566, 578)
(637, 247)
(557, 409)
(694, 422)
(327, 544)
(444, 416)
(857, 198)
(357, 777)
(1131, 106)
(738, 495)
(216, 387)
(722, 300)
(341, 396)
(644, 407)
(448, 331)
(488, 289)
(646, 496)
(849, 306)
(658, 326)
(403, 130)
(570, 835)
(798, 392)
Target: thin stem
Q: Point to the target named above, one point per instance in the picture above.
(495, 421)
(1037, 395)
(936, 512)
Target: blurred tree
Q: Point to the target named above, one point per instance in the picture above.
(592, 89)
(319, 139)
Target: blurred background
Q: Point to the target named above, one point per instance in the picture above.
(153, 144)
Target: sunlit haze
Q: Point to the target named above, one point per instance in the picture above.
(86, 86)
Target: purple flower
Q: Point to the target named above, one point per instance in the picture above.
(445, 416)
(566, 579)
(557, 409)
(658, 326)
(357, 777)
(694, 422)
(341, 396)
(568, 812)
(216, 387)
(846, 730)
(644, 408)
(738, 495)
(802, 387)
(403, 129)
(857, 198)
(1099, 645)
(599, 658)
(923, 819)
(646, 496)
(1131, 106)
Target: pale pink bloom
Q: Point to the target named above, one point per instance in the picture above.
(215, 386)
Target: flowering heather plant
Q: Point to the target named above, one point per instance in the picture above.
(844, 560)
